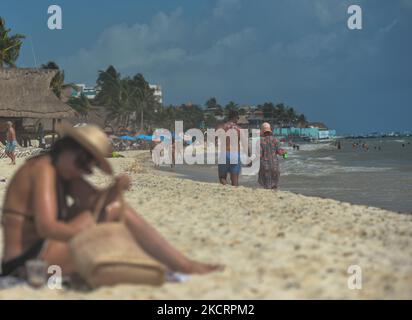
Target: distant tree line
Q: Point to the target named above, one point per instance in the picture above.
(278, 114)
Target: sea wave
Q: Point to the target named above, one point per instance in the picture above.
(323, 158)
(313, 168)
(315, 147)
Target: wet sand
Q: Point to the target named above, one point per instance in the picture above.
(274, 245)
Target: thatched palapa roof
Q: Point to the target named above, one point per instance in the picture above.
(26, 93)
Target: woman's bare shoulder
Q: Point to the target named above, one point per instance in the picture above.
(34, 172)
(39, 166)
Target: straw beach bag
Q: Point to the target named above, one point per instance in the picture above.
(107, 254)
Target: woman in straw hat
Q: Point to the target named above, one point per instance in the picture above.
(38, 222)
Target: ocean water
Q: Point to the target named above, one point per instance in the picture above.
(380, 178)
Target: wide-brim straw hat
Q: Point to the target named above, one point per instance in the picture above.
(91, 138)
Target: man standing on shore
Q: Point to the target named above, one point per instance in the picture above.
(11, 143)
(226, 165)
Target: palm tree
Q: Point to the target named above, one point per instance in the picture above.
(9, 46)
(210, 121)
(213, 106)
(280, 111)
(166, 116)
(121, 104)
(81, 105)
(230, 106)
(143, 98)
(57, 84)
(291, 116)
(302, 123)
(302, 119)
(109, 82)
(126, 97)
(268, 110)
(114, 94)
(211, 103)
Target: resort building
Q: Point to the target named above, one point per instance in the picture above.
(309, 133)
(83, 90)
(157, 92)
(91, 92)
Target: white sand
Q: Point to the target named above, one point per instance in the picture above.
(274, 245)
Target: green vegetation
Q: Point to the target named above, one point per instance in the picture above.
(57, 84)
(130, 101)
(281, 115)
(82, 106)
(9, 46)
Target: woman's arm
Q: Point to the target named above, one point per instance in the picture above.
(86, 195)
(280, 151)
(121, 183)
(45, 206)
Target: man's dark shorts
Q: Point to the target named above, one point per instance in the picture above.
(232, 168)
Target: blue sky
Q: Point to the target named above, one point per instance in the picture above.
(299, 52)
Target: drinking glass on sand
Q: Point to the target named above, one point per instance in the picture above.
(36, 272)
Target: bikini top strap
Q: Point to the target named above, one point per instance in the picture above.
(16, 214)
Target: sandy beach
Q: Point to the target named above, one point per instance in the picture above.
(274, 245)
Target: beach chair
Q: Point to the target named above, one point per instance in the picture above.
(3, 151)
(22, 152)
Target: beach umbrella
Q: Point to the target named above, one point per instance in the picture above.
(128, 138)
(144, 137)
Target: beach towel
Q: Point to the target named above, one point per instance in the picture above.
(177, 277)
(13, 282)
(10, 282)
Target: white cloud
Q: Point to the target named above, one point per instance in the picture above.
(389, 27)
(226, 8)
(312, 46)
(330, 12)
(228, 49)
(136, 46)
(159, 47)
(407, 3)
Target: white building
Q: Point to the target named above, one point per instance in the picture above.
(157, 92)
(89, 92)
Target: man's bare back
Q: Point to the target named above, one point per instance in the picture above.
(11, 134)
